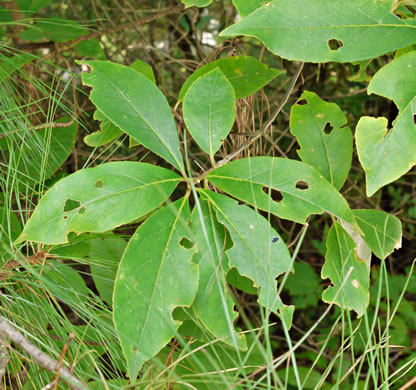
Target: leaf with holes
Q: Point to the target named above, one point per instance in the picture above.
(196, 3)
(208, 110)
(213, 304)
(339, 258)
(326, 143)
(258, 251)
(246, 74)
(98, 200)
(387, 154)
(327, 30)
(246, 7)
(155, 275)
(134, 104)
(287, 188)
(382, 231)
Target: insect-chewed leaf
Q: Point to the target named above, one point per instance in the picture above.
(213, 304)
(339, 258)
(387, 154)
(134, 104)
(327, 30)
(287, 188)
(108, 132)
(246, 74)
(155, 275)
(326, 143)
(196, 3)
(382, 232)
(208, 110)
(258, 252)
(98, 199)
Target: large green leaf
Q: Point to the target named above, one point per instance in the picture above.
(246, 74)
(98, 199)
(382, 231)
(156, 275)
(213, 304)
(134, 104)
(327, 30)
(387, 154)
(208, 110)
(258, 251)
(339, 258)
(246, 7)
(262, 181)
(327, 150)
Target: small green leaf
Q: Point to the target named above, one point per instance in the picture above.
(287, 188)
(155, 275)
(108, 132)
(145, 69)
(387, 154)
(327, 30)
(258, 251)
(382, 231)
(241, 282)
(9, 65)
(10, 228)
(310, 379)
(246, 7)
(326, 143)
(32, 6)
(246, 74)
(340, 257)
(208, 110)
(105, 197)
(91, 48)
(213, 296)
(196, 3)
(135, 105)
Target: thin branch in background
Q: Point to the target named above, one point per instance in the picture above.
(41, 358)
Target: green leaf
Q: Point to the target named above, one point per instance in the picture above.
(213, 304)
(241, 282)
(104, 197)
(309, 379)
(340, 257)
(103, 256)
(382, 231)
(287, 188)
(145, 69)
(208, 110)
(327, 30)
(134, 104)
(32, 6)
(246, 7)
(58, 142)
(90, 48)
(326, 143)
(108, 132)
(258, 251)
(246, 74)
(197, 3)
(60, 29)
(10, 228)
(387, 154)
(147, 287)
(9, 65)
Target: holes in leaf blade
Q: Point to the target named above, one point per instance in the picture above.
(71, 204)
(328, 128)
(185, 243)
(302, 102)
(274, 194)
(275, 239)
(302, 185)
(335, 44)
(99, 184)
(414, 119)
(82, 210)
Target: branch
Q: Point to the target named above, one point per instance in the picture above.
(39, 356)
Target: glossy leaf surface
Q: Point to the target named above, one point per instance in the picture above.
(339, 258)
(382, 231)
(135, 105)
(327, 30)
(208, 110)
(213, 304)
(298, 189)
(326, 143)
(246, 74)
(258, 251)
(387, 154)
(98, 200)
(156, 275)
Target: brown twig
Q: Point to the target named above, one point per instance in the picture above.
(39, 356)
